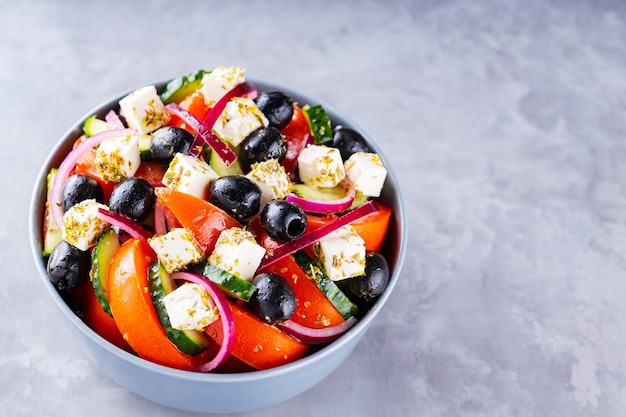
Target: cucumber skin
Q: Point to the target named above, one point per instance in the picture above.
(229, 283)
(179, 88)
(191, 342)
(103, 252)
(330, 289)
(319, 123)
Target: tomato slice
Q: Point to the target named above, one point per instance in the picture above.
(132, 308)
(151, 172)
(201, 218)
(297, 134)
(372, 228)
(99, 321)
(194, 104)
(258, 344)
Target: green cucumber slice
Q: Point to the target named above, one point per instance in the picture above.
(317, 193)
(100, 258)
(52, 235)
(190, 342)
(319, 123)
(330, 289)
(222, 170)
(144, 147)
(229, 283)
(93, 126)
(179, 88)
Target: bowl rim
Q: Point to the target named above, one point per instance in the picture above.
(36, 222)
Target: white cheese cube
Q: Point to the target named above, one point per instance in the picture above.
(240, 117)
(341, 253)
(81, 225)
(219, 82)
(272, 180)
(118, 158)
(321, 166)
(190, 307)
(143, 109)
(366, 172)
(189, 175)
(237, 252)
(176, 249)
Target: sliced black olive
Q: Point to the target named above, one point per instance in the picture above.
(236, 195)
(274, 300)
(283, 220)
(167, 141)
(78, 188)
(68, 267)
(262, 144)
(369, 286)
(277, 107)
(134, 198)
(348, 141)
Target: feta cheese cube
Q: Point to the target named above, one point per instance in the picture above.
(321, 166)
(143, 109)
(189, 175)
(272, 180)
(176, 249)
(341, 253)
(219, 81)
(240, 117)
(366, 171)
(190, 307)
(118, 158)
(81, 225)
(237, 252)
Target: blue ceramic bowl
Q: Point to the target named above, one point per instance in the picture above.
(220, 393)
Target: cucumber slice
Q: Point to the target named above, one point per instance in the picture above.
(316, 193)
(319, 123)
(93, 125)
(190, 342)
(100, 258)
(179, 88)
(144, 147)
(229, 283)
(51, 232)
(330, 289)
(222, 170)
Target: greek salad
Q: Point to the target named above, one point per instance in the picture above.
(211, 227)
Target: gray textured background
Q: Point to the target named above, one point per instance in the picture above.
(505, 122)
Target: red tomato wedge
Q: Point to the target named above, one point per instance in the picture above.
(132, 308)
(297, 135)
(372, 228)
(257, 344)
(151, 172)
(194, 104)
(201, 218)
(101, 322)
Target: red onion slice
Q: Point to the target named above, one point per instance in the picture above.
(160, 224)
(204, 136)
(324, 206)
(68, 165)
(316, 336)
(309, 238)
(114, 120)
(127, 224)
(226, 317)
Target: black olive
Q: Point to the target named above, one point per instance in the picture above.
(348, 141)
(277, 107)
(167, 141)
(369, 286)
(134, 198)
(283, 220)
(274, 300)
(262, 144)
(68, 267)
(78, 188)
(237, 195)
